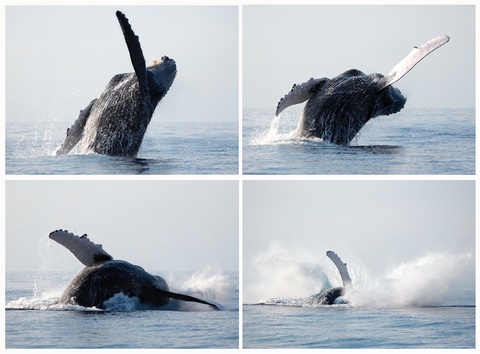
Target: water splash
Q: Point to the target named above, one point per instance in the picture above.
(48, 282)
(287, 273)
(279, 130)
(211, 285)
(122, 303)
(32, 139)
(288, 277)
(430, 280)
(272, 135)
(45, 303)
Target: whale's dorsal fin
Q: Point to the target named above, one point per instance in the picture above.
(342, 268)
(135, 50)
(417, 54)
(86, 251)
(299, 93)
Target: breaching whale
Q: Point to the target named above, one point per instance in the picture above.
(329, 296)
(115, 123)
(103, 277)
(326, 297)
(338, 108)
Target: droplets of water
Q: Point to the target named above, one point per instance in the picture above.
(288, 273)
(210, 285)
(48, 282)
(278, 130)
(272, 135)
(430, 280)
(121, 302)
(33, 139)
(288, 276)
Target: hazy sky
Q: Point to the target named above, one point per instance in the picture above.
(284, 45)
(58, 58)
(380, 224)
(159, 225)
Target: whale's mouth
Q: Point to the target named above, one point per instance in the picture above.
(163, 60)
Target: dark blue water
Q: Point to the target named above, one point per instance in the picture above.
(167, 149)
(34, 320)
(412, 142)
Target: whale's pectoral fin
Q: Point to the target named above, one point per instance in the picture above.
(183, 297)
(417, 54)
(86, 251)
(135, 50)
(342, 268)
(300, 93)
(75, 132)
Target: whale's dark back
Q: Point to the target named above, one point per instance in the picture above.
(94, 285)
(342, 106)
(119, 118)
(328, 297)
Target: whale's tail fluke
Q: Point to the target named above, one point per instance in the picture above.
(342, 268)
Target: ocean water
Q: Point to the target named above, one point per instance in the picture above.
(34, 320)
(426, 303)
(167, 149)
(343, 326)
(412, 142)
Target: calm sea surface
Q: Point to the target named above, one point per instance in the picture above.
(34, 320)
(414, 141)
(343, 326)
(167, 149)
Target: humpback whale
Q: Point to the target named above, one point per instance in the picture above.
(329, 296)
(338, 108)
(115, 123)
(103, 277)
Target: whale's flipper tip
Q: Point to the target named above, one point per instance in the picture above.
(86, 251)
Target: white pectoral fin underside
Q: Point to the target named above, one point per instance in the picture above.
(342, 268)
(298, 94)
(415, 56)
(85, 250)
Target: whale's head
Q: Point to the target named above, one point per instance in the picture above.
(388, 100)
(162, 72)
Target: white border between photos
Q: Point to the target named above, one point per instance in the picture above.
(239, 177)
